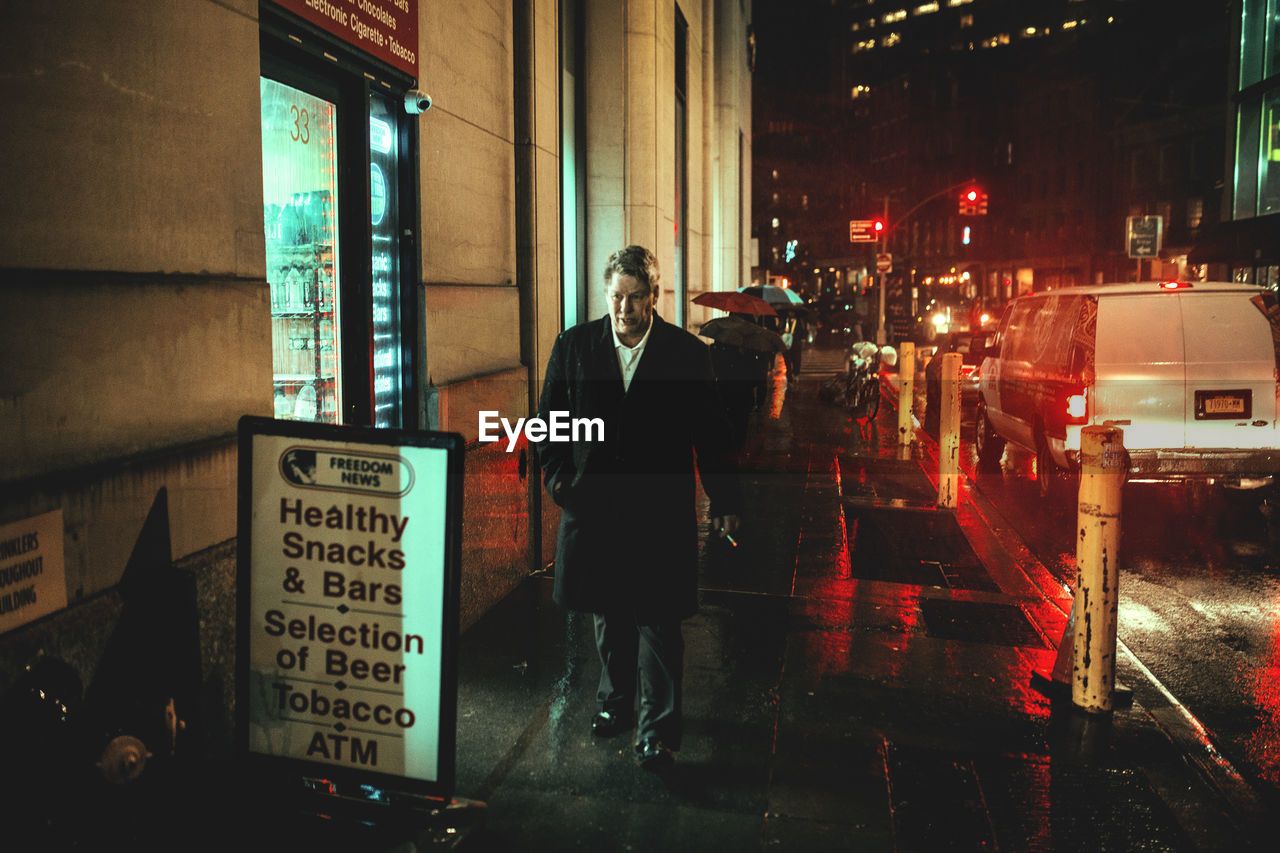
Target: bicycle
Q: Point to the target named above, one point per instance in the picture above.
(862, 388)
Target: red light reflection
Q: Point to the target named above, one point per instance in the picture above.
(1263, 745)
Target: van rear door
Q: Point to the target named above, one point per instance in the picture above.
(1140, 377)
(1231, 371)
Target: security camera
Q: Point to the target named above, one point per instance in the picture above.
(416, 102)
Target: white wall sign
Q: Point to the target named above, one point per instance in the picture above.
(33, 574)
(348, 579)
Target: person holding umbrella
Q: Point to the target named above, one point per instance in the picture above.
(741, 352)
(790, 323)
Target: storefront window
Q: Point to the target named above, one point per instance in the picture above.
(572, 165)
(384, 220)
(300, 202)
(340, 204)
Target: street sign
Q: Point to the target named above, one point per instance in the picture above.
(862, 231)
(884, 262)
(348, 602)
(1143, 235)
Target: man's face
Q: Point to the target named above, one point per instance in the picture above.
(630, 307)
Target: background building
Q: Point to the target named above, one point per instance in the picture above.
(224, 208)
(1242, 240)
(1071, 115)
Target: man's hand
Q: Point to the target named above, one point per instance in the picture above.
(724, 527)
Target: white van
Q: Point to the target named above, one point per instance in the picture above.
(1188, 370)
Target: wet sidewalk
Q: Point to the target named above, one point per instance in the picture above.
(859, 677)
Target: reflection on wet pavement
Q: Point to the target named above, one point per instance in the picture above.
(858, 677)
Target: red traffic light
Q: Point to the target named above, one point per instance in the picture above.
(973, 202)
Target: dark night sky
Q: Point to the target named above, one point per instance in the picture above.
(791, 48)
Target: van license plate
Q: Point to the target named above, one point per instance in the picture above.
(1224, 405)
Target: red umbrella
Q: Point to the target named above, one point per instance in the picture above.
(734, 302)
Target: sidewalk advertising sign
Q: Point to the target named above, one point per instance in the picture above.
(347, 619)
(1142, 236)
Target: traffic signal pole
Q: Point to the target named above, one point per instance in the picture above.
(884, 243)
(884, 247)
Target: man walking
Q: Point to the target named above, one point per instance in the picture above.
(628, 541)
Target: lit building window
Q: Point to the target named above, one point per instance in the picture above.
(860, 92)
(1269, 162)
(891, 39)
(893, 17)
(966, 21)
(959, 2)
(1259, 35)
(864, 45)
(1257, 144)
(774, 223)
(925, 9)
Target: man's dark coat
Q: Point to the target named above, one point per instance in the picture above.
(628, 523)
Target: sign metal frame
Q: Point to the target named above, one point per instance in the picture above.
(429, 469)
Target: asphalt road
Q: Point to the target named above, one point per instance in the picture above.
(1199, 598)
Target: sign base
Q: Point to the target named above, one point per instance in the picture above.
(387, 819)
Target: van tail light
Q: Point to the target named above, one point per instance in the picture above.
(1077, 408)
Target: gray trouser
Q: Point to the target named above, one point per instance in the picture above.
(645, 661)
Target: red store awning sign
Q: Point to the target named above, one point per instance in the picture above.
(385, 29)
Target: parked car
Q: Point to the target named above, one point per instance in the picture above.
(972, 348)
(1188, 371)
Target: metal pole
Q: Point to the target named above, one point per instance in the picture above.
(1104, 463)
(949, 432)
(906, 389)
(884, 242)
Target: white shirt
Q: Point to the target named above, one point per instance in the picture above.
(629, 357)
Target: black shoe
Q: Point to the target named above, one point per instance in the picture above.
(609, 723)
(652, 754)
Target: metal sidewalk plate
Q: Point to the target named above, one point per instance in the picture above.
(887, 544)
(873, 481)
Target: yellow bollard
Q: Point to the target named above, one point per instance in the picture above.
(906, 389)
(1103, 464)
(949, 432)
